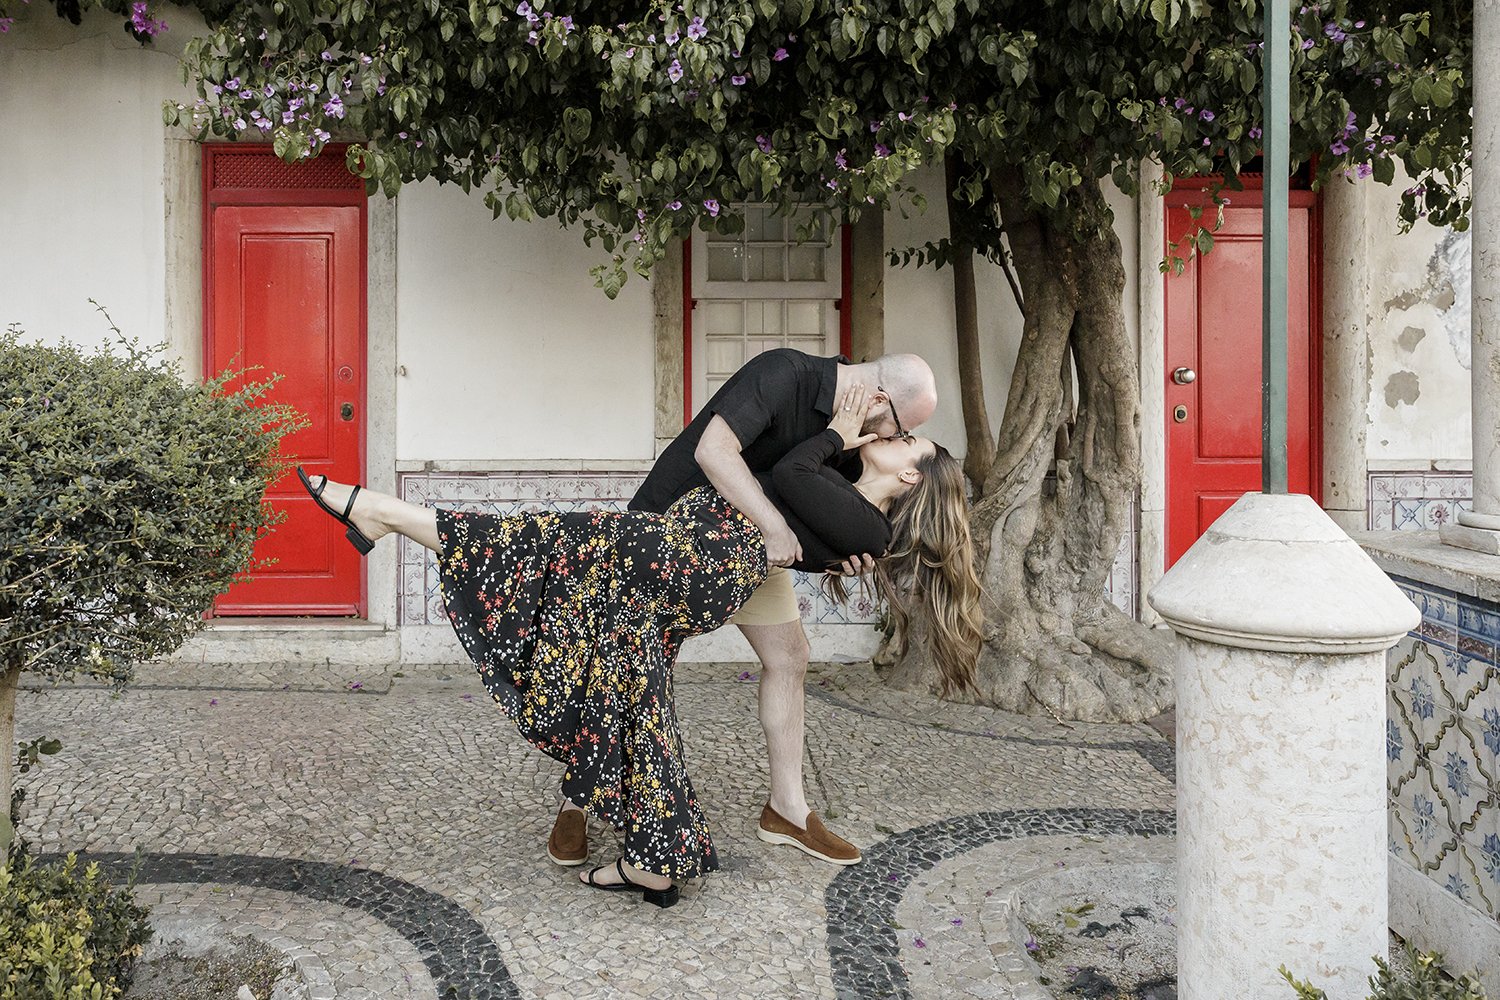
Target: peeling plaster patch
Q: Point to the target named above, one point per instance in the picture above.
(1446, 289)
(1410, 338)
(1402, 387)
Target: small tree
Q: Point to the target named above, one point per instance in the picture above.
(641, 121)
(129, 499)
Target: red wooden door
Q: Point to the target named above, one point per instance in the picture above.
(1213, 317)
(285, 286)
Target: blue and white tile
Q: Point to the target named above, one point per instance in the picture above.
(1457, 776)
(1425, 818)
(1456, 876)
(1481, 722)
(1400, 748)
(1416, 685)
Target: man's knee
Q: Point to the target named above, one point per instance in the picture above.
(788, 658)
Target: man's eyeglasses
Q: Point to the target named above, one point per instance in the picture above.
(901, 433)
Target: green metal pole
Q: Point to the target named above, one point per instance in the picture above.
(1275, 89)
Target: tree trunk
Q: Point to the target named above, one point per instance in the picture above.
(981, 443)
(1057, 645)
(10, 677)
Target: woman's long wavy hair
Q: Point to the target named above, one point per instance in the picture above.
(931, 561)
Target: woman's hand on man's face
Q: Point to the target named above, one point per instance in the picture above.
(849, 412)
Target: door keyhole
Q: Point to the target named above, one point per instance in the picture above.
(347, 411)
(1179, 413)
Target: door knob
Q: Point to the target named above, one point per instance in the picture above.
(1182, 376)
(347, 411)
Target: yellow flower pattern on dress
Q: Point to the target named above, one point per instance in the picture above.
(574, 622)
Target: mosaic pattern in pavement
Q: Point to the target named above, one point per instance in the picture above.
(389, 826)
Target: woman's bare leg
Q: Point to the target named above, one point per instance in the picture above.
(377, 514)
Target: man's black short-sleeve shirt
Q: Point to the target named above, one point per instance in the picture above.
(775, 402)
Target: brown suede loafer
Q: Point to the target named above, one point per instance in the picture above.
(816, 840)
(569, 843)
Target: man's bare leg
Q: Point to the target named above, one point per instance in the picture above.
(783, 653)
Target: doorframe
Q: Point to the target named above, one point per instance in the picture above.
(1151, 231)
(273, 640)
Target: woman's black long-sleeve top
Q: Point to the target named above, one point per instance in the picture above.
(831, 519)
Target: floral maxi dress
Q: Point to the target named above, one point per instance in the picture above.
(574, 622)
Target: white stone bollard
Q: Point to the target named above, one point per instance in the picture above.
(1283, 623)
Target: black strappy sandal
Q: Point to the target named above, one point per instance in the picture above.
(356, 537)
(658, 897)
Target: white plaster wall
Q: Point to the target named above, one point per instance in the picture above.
(1419, 340)
(919, 309)
(506, 351)
(81, 173)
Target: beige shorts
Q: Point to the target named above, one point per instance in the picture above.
(773, 602)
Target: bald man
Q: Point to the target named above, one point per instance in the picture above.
(775, 402)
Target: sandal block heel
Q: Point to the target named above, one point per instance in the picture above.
(359, 541)
(661, 897)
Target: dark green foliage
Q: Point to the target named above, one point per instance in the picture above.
(1425, 981)
(129, 498)
(66, 934)
(641, 120)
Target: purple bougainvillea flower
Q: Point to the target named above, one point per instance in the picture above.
(832, 185)
(1338, 148)
(876, 126)
(674, 71)
(695, 29)
(5, 23)
(902, 116)
(239, 124)
(737, 80)
(957, 921)
(918, 943)
(287, 117)
(1307, 43)
(1206, 115)
(356, 685)
(327, 56)
(1359, 24)
(1032, 946)
(567, 22)
(532, 37)
(233, 83)
(882, 150)
(1363, 170)
(674, 205)
(1387, 139)
(839, 161)
(778, 55)
(270, 91)
(334, 107)
(366, 60)
(1255, 133)
(763, 143)
(712, 205)
(523, 9)
(213, 702)
(1179, 104)
(673, 37)
(294, 104)
(1334, 32)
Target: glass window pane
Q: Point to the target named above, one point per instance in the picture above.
(764, 264)
(723, 317)
(804, 319)
(725, 262)
(816, 346)
(761, 225)
(806, 263)
(725, 355)
(770, 317)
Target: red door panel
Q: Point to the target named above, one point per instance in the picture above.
(1213, 327)
(285, 286)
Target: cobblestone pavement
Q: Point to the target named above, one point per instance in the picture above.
(386, 830)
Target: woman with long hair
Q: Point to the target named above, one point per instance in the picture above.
(574, 620)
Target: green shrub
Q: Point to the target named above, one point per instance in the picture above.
(67, 934)
(1425, 981)
(130, 497)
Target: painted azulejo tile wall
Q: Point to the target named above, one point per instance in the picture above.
(1443, 756)
(1417, 501)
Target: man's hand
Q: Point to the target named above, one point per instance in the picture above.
(782, 547)
(855, 566)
